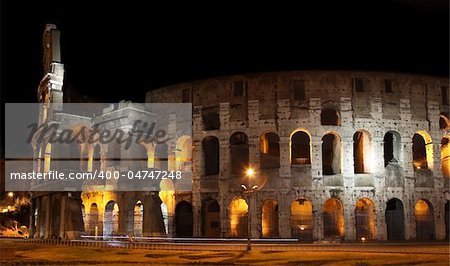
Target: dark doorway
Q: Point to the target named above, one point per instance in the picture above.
(395, 220)
(184, 219)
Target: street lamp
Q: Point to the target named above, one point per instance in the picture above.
(248, 190)
(11, 194)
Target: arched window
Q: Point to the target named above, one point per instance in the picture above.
(333, 219)
(329, 117)
(238, 218)
(300, 148)
(331, 154)
(269, 218)
(239, 153)
(269, 146)
(422, 151)
(302, 220)
(211, 147)
(391, 147)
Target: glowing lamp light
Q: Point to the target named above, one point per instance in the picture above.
(363, 239)
(302, 228)
(10, 194)
(250, 172)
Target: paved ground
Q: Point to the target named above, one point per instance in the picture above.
(26, 253)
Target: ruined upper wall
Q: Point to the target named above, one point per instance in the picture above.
(300, 86)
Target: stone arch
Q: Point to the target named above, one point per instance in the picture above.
(269, 218)
(392, 144)
(422, 151)
(395, 219)
(183, 154)
(135, 219)
(239, 153)
(211, 155)
(210, 218)
(424, 215)
(111, 219)
(184, 219)
(331, 154)
(444, 122)
(238, 213)
(300, 147)
(362, 152)
(269, 147)
(333, 219)
(55, 217)
(302, 219)
(329, 116)
(445, 158)
(365, 219)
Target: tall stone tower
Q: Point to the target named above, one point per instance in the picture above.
(53, 214)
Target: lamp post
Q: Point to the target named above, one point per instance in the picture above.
(248, 190)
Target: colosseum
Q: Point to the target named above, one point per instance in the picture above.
(337, 155)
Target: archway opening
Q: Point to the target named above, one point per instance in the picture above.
(395, 219)
(300, 148)
(365, 219)
(270, 218)
(422, 151)
(184, 219)
(391, 147)
(184, 154)
(331, 154)
(330, 117)
(424, 220)
(211, 218)
(239, 153)
(269, 147)
(333, 219)
(111, 219)
(302, 220)
(211, 155)
(238, 218)
(138, 215)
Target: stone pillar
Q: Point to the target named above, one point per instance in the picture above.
(285, 157)
(349, 218)
(348, 165)
(153, 219)
(439, 211)
(410, 219)
(284, 219)
(37, 222)
(32, 228)
(316, 162)
(62, 223)
(47, 207)
(408, 161)
(377, 155)
(255, 212)
(380, 222)
(196, 187)
(253, 152)
(317, 221)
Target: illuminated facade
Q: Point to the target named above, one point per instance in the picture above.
(337, 155)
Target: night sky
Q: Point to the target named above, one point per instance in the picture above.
(119, 50)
